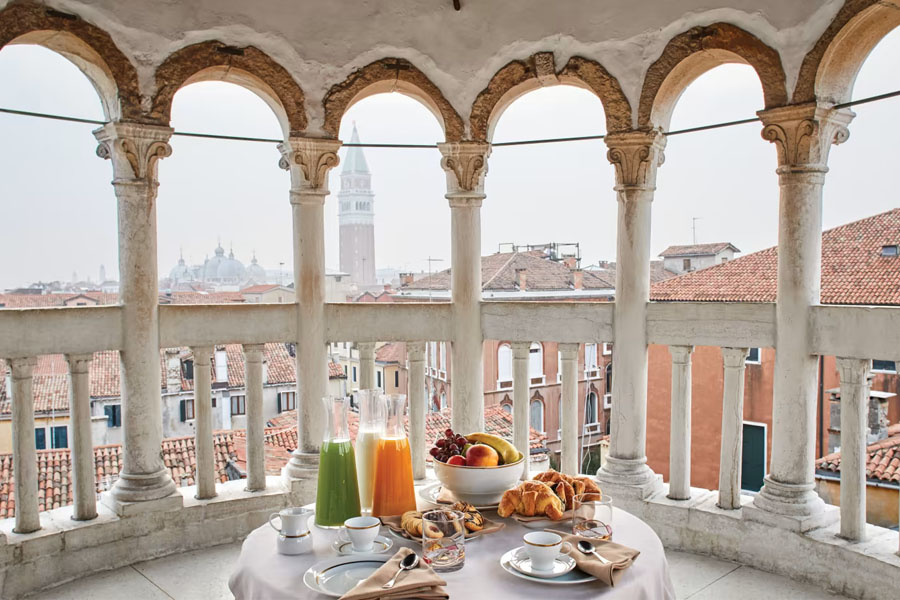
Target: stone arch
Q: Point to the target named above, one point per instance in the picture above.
(90, 48)
(247, 66)
(390, 75)
(691, 53)
(829, 70)
(522, 76)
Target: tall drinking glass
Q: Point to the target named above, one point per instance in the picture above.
(394, 493)
(371, 428)
(337, 496)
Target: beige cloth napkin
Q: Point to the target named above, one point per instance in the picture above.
(620, 557)
(421, 582)
(567, 516)
(394, 524)
(445, 496)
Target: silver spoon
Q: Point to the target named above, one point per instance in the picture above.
(586, 547)
(409, 562)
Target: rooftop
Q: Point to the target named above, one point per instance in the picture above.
(698, 249)
(882, 459)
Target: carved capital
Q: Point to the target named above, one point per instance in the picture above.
(416, 351)
(134, 149)
(568, 351)
(803, 135)
(853, 371)
(309, 160)
(79, 364)
(735, 358)
(681, 355)
(253, 353)
(466, 165)
(22, 368)
(636, 156)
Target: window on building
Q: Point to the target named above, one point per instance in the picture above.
(590, 356)
(753, 357)
(397, 379)
(558, 366)
(686, 264)
(187, 369)
(432, 355)
(378, 379)
(60, 437)
(113, 414)
(537, 415)
(40, 438)
(345, 370)
(590, 409)
(221, 366)
(892, 250)
(609, 378)
(753, 457)
(238, 405)
(213, 401)
(504, 363)
(607, 349)
(354, 374)
(536, 361)
(886, 366)
(507, 408)
(187, 409)
(287, 401)
(444, 356)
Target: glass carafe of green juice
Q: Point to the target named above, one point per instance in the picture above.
(337, 495)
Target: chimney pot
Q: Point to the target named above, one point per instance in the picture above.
(571, 262)
(406, 278)
(522, 279)
(578, 279)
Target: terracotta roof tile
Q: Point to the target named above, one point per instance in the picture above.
(391, 353)
(882, 460)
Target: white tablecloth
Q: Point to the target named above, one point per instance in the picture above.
(262, 573)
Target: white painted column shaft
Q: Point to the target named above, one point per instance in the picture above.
(418, 444)
(205, 474)
(83, 470)
(367, 365)
(854, 375)
(732, 428)
(680, 421)
(521, 412)
(256, 423)
(24, 453)
(569, 460)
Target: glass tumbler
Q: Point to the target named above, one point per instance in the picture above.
(592, 516)
(444, 539)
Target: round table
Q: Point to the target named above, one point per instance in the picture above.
(263, 573)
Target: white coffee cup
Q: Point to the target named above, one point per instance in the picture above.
(295, 536)
(543, 547)
(360, 532)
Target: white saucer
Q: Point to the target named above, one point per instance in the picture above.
(521, 562)
(570, 577)
(382, 544)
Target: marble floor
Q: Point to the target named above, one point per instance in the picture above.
(203, 575)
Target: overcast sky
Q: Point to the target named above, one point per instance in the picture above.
(59, 215)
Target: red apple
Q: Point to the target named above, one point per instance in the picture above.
(481, 455)
(457, 460)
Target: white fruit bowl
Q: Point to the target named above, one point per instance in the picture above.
(480, 486)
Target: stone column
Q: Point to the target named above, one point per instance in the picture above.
(83, 470)
(466, 166)
(569, 459)
(24, 453)
(732, 443)
(521, 408)
(802, 135)
(309, 161)
(415, 390)
(205, 474)
(854, 375)
(680, 433)
(256, 423)
(134, 151)
(367, 365)
(636, 156)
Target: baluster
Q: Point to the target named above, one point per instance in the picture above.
(854, 375)
(417, 407)
(569, 398)
(85, 489)
(732, 428)
(680, 434)
(256, 442)
(521, 413)
(366, 365)
(205, 474)
(24, 453)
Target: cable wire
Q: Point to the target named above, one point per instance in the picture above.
(580, 138)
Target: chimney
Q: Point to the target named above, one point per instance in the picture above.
(173, 371)
(571, 262)
(406, 278)
(387, 287)
(578, 279)
(521, 279)
(878, 419)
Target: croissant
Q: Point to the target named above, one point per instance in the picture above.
(530, 499)
(474, 520)
(565, 486)
(412, 523)
(591, 490)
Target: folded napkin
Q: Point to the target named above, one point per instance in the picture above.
(445, 496)
(394, 524)
(620, 557)
(567, 516)
(421, 582)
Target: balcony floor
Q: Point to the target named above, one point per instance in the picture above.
(203, 575)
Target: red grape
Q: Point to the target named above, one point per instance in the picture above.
(435, 451)
(454, 448)
(461, 441)
(440, 443)
(449, 433)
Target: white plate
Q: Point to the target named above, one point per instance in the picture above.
(573, 577)
(521, 562)
(469, 536)
(382, 544)
(430, 493)
(542, 524)
(337, 576)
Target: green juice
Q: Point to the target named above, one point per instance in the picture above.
(337, 496)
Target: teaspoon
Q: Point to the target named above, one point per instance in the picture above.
(586, 547)
(409, 562)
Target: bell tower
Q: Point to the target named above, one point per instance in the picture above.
(356, 216)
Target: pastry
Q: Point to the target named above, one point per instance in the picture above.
(412, 523)
(531, 499)
(565, 486)
(474, 519)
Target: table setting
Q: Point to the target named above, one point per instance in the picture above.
(484, 533)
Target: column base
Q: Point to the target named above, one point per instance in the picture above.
(143, 487)
(300, 476)
(629, 478)
(791, 506)
(174, 501)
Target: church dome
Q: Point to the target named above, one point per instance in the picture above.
(231, 269)
(181, 272)
(255, 272)
(211, 266)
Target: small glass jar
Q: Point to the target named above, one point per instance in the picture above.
(444, 539)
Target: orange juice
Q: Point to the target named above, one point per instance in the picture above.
(394, 494)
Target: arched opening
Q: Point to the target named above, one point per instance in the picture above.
(504, 365)
(537, 414)
(591, 412)
(536, 363)
(609, 372)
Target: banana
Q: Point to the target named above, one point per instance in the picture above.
(507, 451)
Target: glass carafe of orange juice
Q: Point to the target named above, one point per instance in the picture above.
(371, 428)
(337, 495)
(394, 494)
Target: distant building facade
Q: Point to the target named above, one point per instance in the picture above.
(685, 259)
